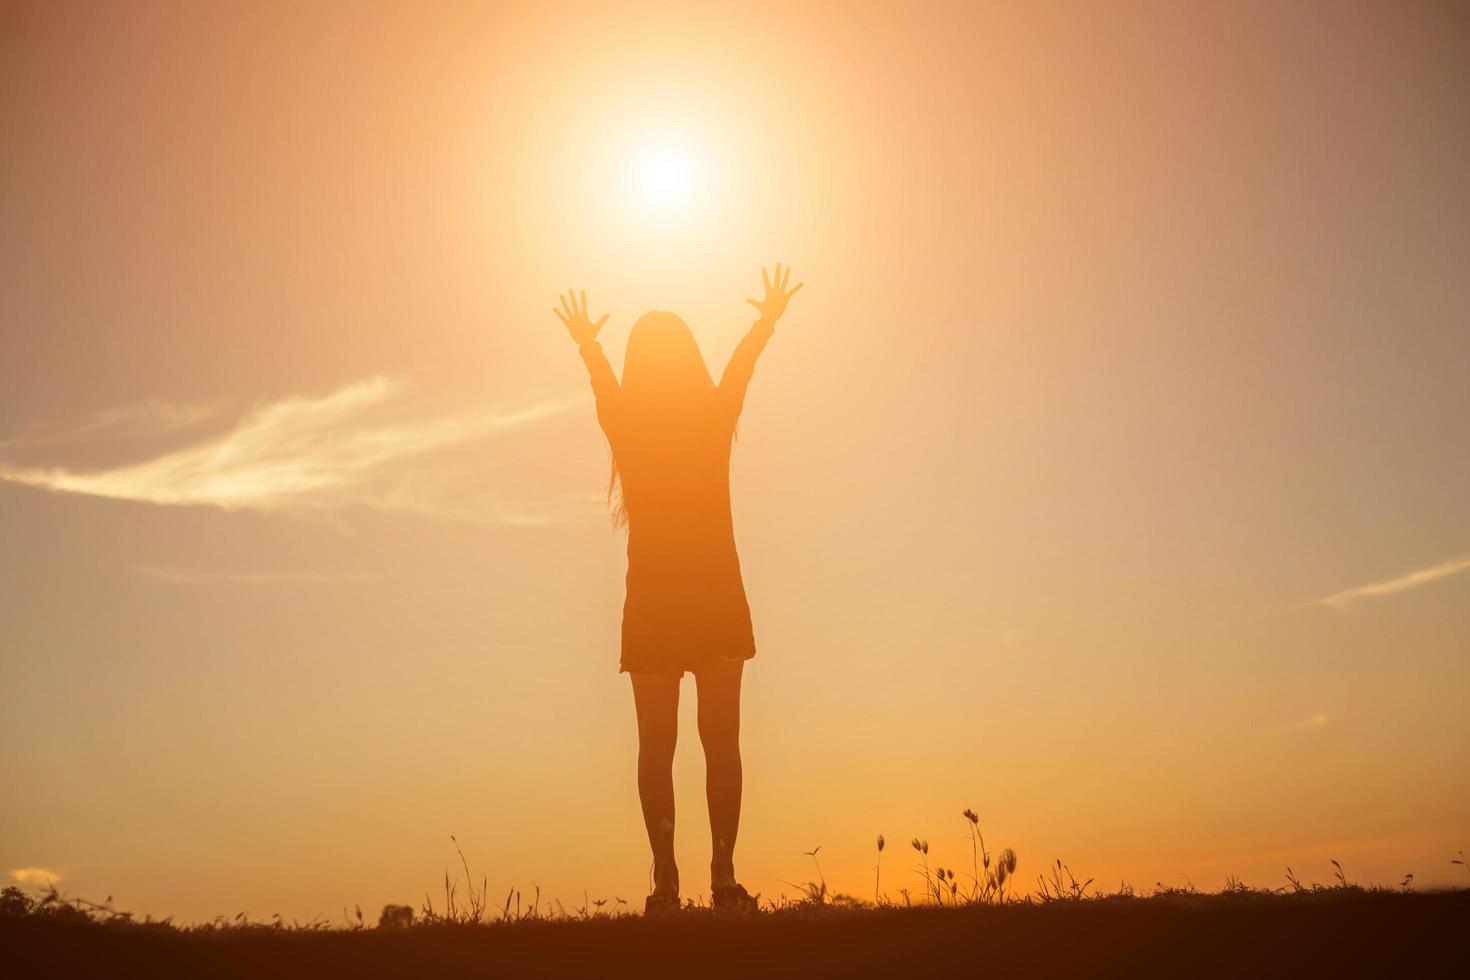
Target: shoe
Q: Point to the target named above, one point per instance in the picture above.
(735, 900)
(660, 904)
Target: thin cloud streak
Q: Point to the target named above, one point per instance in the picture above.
(307, 453)
(1375, 590)
(34, 876)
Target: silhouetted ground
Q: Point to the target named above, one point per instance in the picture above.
(1346, 932)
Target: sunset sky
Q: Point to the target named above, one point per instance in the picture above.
(1110, 475)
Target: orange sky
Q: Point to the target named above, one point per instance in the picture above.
(1085, 484)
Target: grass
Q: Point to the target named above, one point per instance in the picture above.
(973, 920)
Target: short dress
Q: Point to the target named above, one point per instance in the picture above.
(686, 604)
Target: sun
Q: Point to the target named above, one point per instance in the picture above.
(665, 178)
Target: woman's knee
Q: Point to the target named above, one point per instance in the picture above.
(657, 742)
(719, 733)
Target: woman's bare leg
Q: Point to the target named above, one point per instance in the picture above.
(656, 697)
(719, 731)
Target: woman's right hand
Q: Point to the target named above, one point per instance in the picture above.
(777, 295)
(576, 320)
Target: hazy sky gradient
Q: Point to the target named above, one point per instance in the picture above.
(1108, 476)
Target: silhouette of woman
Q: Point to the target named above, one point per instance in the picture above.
(670, 428)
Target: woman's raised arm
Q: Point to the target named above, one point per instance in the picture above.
(582, 330)
(742, 363)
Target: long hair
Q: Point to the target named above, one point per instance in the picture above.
(664, 379)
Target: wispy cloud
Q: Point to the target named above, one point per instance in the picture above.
(34, 876)
(1304, 725)
(175, 575)
(1376, 590)
(151, 417)
(310, 453)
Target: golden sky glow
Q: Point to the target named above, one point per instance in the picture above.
(1108, 476)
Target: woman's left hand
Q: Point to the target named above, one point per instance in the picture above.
(576, 320)
(777, 295)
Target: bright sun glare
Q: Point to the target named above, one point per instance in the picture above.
(666, 178)
(670, 179)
